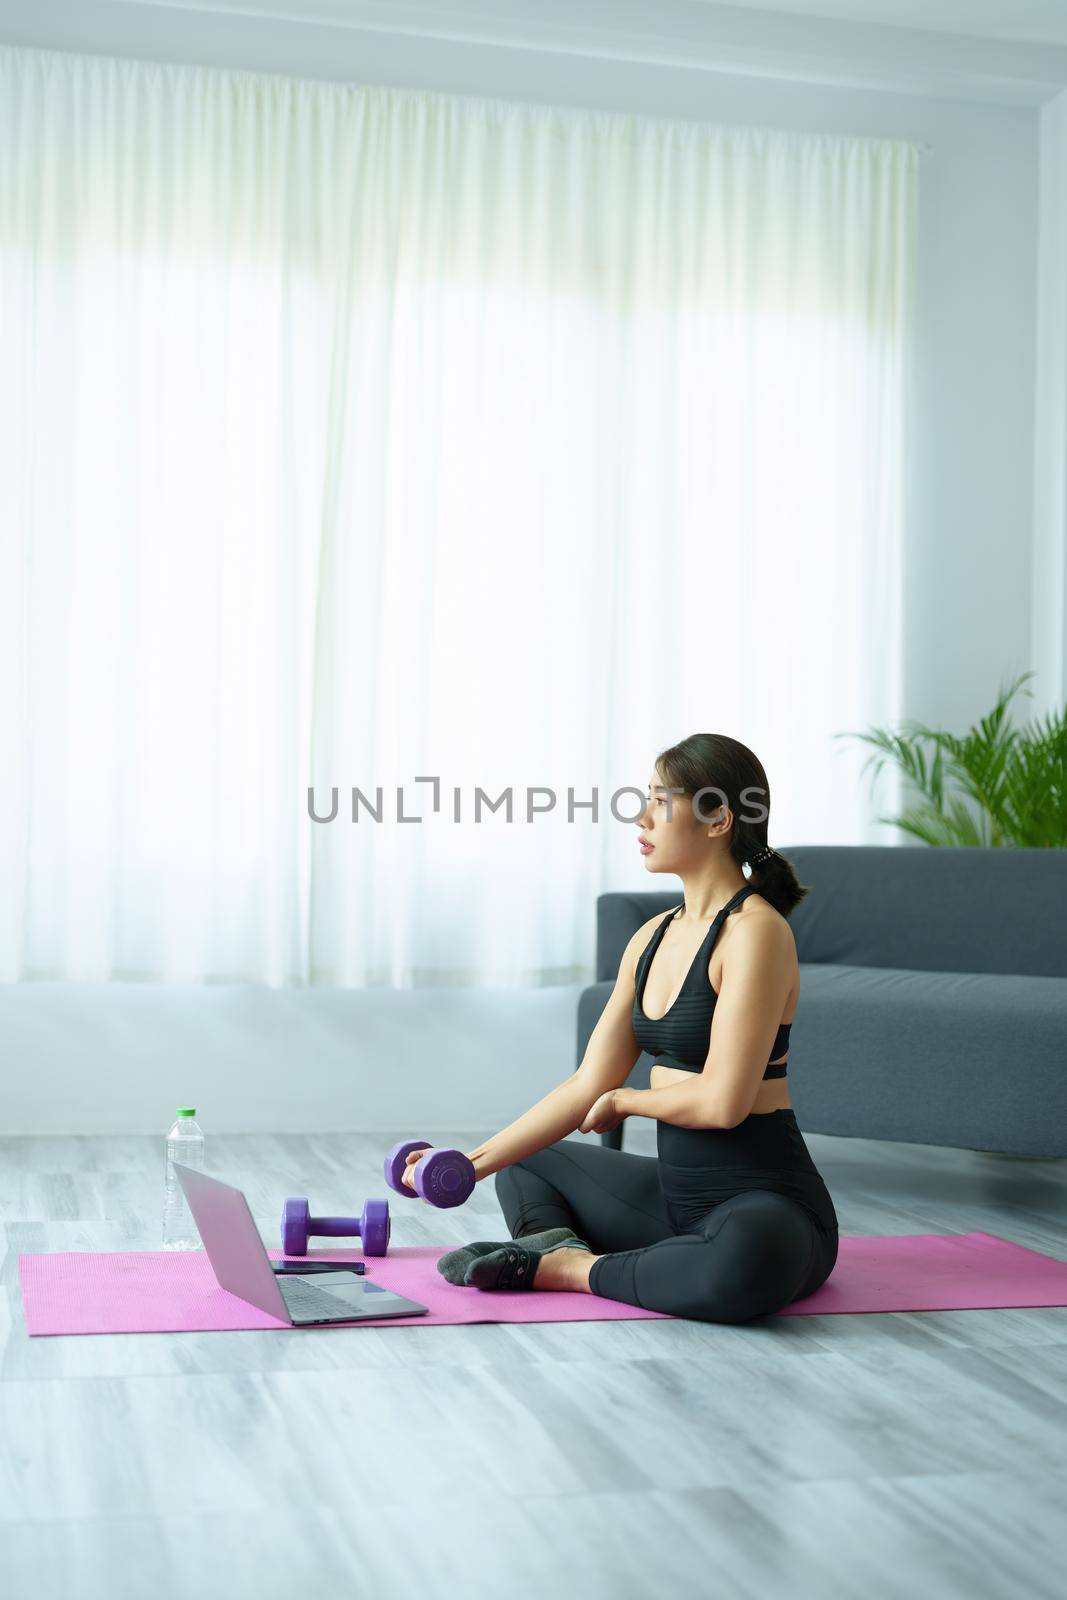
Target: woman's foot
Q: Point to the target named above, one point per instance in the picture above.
(565, 1268)
(515, 1266)
(552, 1259)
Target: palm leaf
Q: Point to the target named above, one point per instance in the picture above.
(1009, 785)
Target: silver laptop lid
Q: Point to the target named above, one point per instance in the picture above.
(237, 1254)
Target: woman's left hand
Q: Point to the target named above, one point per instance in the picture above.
(411, 1161)
(602, 1115)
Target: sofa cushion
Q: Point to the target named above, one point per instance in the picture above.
(954, 1058)
(922, 909)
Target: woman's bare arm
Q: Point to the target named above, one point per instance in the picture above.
(555, 1115)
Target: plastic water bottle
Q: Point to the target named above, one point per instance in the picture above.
(185, 1143)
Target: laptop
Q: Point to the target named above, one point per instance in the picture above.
(241, 1265)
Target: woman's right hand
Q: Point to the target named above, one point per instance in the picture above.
(602, 1116)
(411, 1160)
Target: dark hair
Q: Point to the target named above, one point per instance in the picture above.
(715, 761)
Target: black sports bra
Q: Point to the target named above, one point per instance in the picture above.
(680, 1038)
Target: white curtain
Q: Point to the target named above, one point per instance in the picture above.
(350, 436)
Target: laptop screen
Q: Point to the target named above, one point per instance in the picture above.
(240, 1262)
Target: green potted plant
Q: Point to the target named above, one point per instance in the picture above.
(995, 785)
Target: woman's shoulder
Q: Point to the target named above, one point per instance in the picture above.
(754, 904)
(765, 921)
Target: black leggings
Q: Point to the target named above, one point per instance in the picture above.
(724, 1225)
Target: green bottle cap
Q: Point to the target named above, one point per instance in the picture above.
(187, 1111)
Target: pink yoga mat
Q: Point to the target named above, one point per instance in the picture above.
(159, 1291)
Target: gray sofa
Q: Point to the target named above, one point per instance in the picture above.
(933, 994)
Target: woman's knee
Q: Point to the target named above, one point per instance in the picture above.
(533, 1165)
(505, 1182)
(753, 1262)
(521, 1178)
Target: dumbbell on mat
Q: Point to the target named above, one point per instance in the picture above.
(443, 1177)
(298, 1225)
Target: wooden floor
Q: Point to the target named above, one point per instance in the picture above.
(919, 1455)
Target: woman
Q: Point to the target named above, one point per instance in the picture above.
(731, 1220)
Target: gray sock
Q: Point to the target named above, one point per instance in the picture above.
(455, 1264)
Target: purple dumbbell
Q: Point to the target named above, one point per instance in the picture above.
(298, 1225)
(443, 1177)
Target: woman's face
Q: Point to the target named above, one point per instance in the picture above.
(665, 827)
(670, 836)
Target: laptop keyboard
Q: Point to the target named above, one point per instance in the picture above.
(304, 1300)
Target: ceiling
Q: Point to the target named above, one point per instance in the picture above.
(1011, 52)
(1032, 21)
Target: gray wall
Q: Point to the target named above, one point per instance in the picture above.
(120, 1057)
